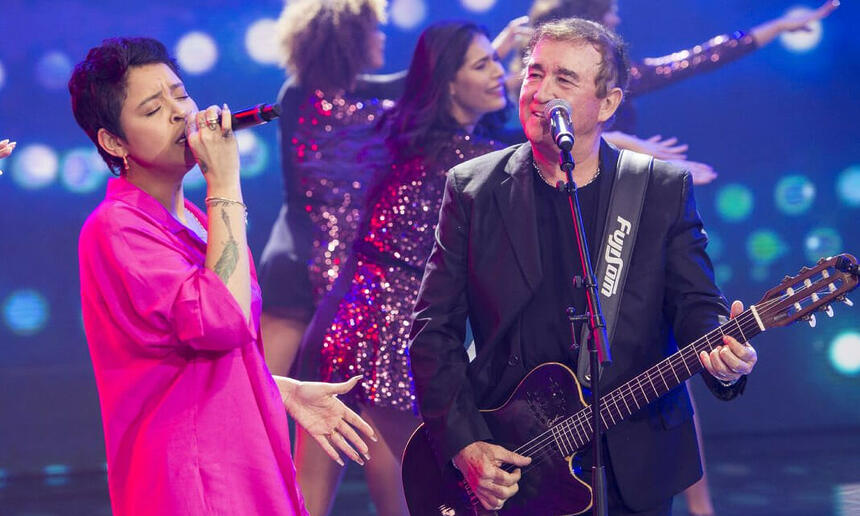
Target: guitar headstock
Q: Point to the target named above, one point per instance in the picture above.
(811, 289)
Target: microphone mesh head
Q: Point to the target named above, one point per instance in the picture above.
(554, 104)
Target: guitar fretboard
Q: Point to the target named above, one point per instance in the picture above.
(575, 432)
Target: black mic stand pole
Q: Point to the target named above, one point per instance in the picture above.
(598, 340)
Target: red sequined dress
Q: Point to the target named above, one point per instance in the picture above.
(368, 327)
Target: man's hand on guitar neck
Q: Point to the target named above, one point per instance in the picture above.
(729, 362)
(480, 463)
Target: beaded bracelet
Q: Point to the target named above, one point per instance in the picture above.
(225, 200)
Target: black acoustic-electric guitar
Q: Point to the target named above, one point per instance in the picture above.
(547, 419)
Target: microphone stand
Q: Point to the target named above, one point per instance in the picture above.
(596, 337)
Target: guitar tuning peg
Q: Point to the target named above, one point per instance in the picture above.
(847, 301)
(828, 310)
(811, 320)
(786, 278)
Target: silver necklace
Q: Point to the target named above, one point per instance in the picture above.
(545, 180)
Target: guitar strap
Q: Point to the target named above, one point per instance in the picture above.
(619, 237)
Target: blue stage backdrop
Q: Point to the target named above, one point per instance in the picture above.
(780, 127)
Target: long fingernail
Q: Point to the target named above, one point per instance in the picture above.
(375, 439)
(340, 461)
(4, 142)
(367, 455)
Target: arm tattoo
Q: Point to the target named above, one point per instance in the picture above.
(226, 263)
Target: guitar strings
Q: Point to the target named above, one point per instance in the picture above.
(746, 323)
(582, 419)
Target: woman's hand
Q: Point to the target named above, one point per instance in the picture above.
(702, 172)
(654, 146)
(215, 149)
(767, 31)
(513, 37)
(314, 406)
(6, 149)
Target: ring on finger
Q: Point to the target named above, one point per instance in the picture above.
(212, 123)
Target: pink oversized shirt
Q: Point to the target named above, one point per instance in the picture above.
(193, 420)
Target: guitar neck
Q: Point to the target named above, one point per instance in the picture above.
(574, 432)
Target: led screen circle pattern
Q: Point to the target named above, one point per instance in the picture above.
(788, 192)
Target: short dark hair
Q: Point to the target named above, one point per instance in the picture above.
(614, 64)
(98, 85)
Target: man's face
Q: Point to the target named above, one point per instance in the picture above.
(564, 70)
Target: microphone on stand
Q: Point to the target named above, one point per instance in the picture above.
(250, 117)
(557, 111)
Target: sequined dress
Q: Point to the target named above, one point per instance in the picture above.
(656, 72)
(368, 330)
(328, 162)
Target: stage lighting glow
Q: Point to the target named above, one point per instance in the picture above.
(2, 75)
(407, 14)
(759, 272)
(478, 6)
(196, 52)
(25, 312)
(83, 170)
(56, 474)
(253, 154)
(822, 242)
(194, 178)
(34, 166)
(722, 273)
(53, 70)
(261, 42)
(715, 245)
(848, 186)
(794, 194)
(845, 353)
(734, 202)
(764, 246)
(55, 469)
(801, 41)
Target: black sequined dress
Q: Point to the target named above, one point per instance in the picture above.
(363, 325)
(328, 159)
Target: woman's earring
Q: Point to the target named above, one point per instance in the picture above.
(125, 164)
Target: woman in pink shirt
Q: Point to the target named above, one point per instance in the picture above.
(194, 423)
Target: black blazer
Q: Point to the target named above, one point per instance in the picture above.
(485, 266)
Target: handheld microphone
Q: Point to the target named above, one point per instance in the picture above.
(557, 111)
(259, 114)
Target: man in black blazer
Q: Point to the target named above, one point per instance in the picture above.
(504, 258)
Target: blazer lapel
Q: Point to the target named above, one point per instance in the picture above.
(516, 201)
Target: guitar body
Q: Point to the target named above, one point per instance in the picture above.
(550, 486)
(546, 417)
